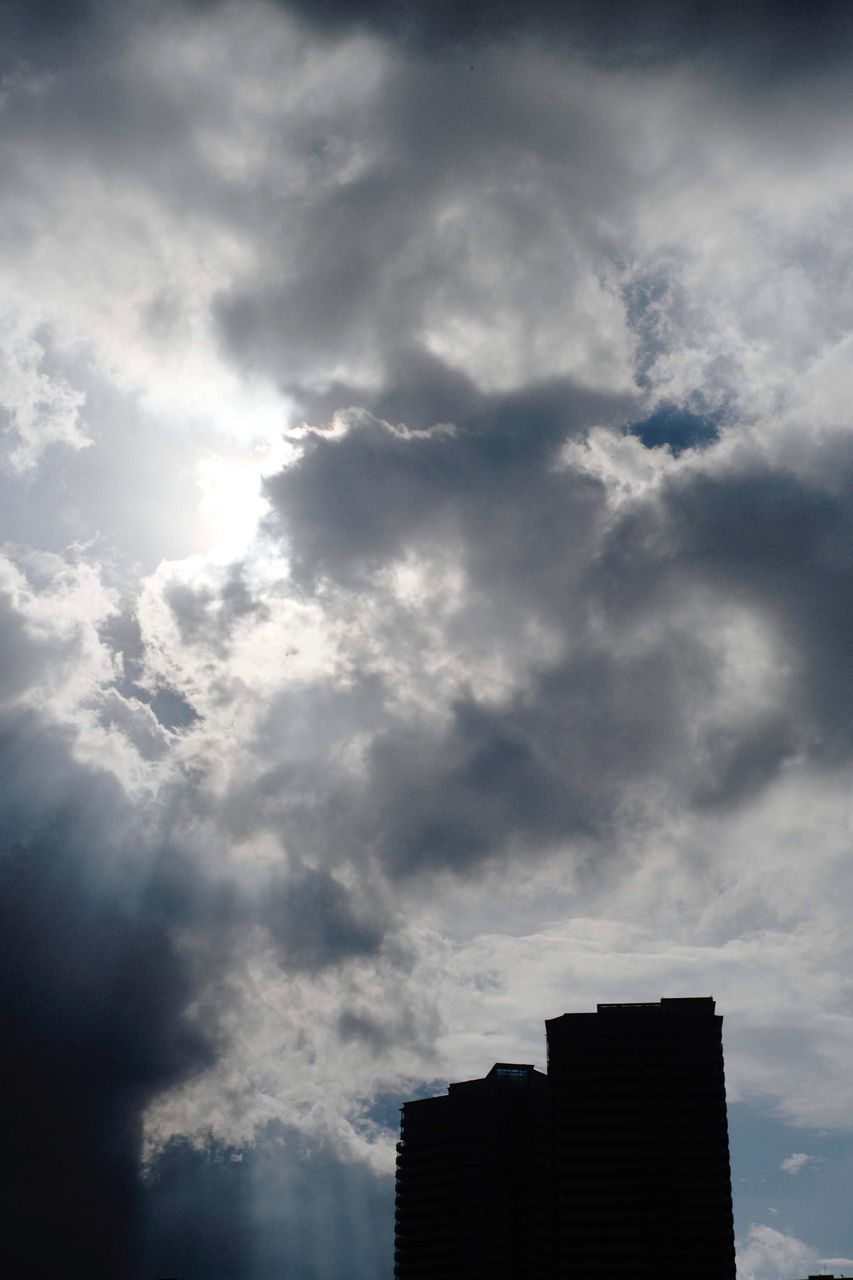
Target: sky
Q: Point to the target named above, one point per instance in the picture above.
(426, 596)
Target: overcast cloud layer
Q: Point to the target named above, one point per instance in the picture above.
(426, 596)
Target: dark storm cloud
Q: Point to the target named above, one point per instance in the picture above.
(770, 36)
(370, 262)
(549, 763)
(109, 934)
(610, 717)
(93, 1006)
(458, 176)
(545, 767)
(312, 921)
(46, 33)
(357, 502)
(366, 1029)
(739, 764)
(783, 543)
(773, 36)
(97, 981)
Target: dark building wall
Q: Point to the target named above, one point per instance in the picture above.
(641, 1176)
(614, 1167)
(472, 1181)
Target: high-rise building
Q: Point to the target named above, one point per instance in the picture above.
(640, 1153)
(472, 1180)
(614, 1166)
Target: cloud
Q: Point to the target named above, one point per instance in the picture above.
(115, 944)
(208, 615)
(38, 408)
(780, 41)
(729, 560)
(795, 1163)
(655, 31)
(313, 923)
(94, 1009)
(532, 688)
(768, 1254)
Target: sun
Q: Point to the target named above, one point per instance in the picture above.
(231, 501)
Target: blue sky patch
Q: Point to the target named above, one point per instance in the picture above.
(672, 425)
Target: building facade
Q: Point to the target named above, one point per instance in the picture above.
(472, 1180)
(640, 1154)
(613, 1165)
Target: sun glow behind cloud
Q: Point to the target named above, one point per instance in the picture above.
(231, 504)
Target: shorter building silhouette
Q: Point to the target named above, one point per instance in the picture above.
(472, 1180)
(615, 1164)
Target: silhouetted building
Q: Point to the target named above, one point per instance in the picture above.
(642, 1184)
(472, 1180)
(615, 1165)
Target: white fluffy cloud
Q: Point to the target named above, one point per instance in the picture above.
(796, 1162)
(768, 1254)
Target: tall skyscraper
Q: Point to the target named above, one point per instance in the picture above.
(613, 1166)
(640, 1152)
